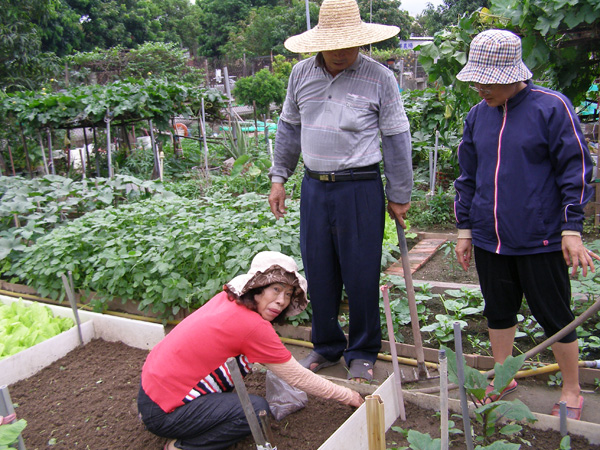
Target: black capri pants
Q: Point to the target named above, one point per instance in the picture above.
(544, 280)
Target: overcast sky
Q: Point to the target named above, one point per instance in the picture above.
(415, 7)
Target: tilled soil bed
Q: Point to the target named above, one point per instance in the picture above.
(87, 400)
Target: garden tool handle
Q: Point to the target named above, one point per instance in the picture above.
(412, 303)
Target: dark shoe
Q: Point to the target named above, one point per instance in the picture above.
(572, 412)
(359, 368)
(320, 361)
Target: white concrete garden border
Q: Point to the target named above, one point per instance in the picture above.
(24, 364)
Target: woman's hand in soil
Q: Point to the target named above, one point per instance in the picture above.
(576, 254)
(357, 399)
(463, 252)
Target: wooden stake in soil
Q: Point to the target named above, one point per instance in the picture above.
(444, 398)
(375, 422)
(240, 387)
(392, 339)
(69, 289)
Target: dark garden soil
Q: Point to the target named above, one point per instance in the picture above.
(86, 400)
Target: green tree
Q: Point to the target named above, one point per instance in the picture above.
(23, 64)
(560, 40)
(266, 29)
(263, 88)
(556, 38)
(218, 19)
(386, 12)
(433, 19)
(282, 68)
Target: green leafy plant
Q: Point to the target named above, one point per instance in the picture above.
(457, 310)
(165, 253)
(492, 415)
(31, 208)
(565, 443)
(9, 433)
(23, 326)
(555, 379)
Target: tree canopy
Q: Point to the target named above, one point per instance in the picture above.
(560, 42)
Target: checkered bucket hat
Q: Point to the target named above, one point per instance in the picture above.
(495, 58)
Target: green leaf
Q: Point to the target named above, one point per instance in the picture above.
(420, 441)
(9, 433)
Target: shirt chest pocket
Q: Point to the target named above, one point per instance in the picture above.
(358, 113)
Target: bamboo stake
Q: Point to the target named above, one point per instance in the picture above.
(49, 134)
(108, 119)
(12, 163)
(85, 142)
(444, 398)
(204, 137)
(255, 123)
(43, 153)
(27, 160)
(96, 152)
(375, 422)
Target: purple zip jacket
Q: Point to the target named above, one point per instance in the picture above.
(525, 171)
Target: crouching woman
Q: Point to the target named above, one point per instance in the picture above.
(185, 392)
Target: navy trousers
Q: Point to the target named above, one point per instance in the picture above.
(341, 234)
(210, 422)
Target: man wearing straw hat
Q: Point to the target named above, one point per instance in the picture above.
(340, 104)
(524, 182)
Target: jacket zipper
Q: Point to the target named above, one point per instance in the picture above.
(498, 155)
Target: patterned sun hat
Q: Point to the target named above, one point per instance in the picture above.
(340, 26)
(273, 267)
(495, 58)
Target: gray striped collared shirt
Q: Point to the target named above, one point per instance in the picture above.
(340, 119)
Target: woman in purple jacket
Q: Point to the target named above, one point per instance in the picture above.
(524, 182)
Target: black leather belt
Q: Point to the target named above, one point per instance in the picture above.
(360, 173)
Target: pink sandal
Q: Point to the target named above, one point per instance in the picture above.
(490, 398)
(7, 419)
(572, 412)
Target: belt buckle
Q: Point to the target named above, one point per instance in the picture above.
(327, 176)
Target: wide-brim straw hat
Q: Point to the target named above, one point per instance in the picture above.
(495, 58)
(273, 267)
(340, 26)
